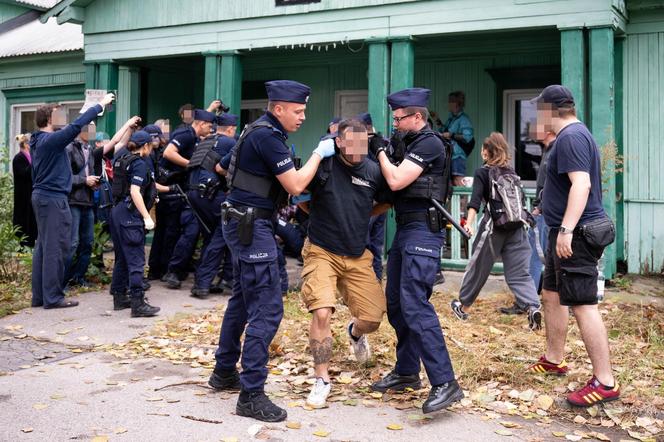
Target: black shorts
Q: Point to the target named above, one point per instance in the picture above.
(574, 278)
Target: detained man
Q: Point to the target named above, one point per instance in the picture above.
(335, 256)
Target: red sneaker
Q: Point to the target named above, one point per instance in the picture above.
(545, 367)
(593, 393)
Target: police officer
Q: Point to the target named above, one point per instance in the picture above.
(182, 226)
(261, 173)
(209, 194)
(414, 258)
(52, 181)
(134, 193)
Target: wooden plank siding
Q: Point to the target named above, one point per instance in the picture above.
(113, 28)
(643, 114)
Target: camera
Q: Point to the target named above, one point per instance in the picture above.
(223, 107)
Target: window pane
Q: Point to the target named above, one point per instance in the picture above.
(27, 122)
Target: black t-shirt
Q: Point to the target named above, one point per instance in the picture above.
(574, 150)
(185, 140)
(427, 151)
(481, 188)
(264, 153)
(341, 208)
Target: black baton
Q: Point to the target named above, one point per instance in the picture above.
(198, 217)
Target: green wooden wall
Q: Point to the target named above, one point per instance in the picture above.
(28, 81)
(643, 131)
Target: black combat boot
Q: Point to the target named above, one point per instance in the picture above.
(225, 380)
(257, 405)
(396, 382)
(442, 396)
(200, 293)
(140, 308)
(120, 300)
(172, 281)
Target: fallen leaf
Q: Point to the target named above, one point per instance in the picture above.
(376, 395)
(344, 380)
(504, 432)
(350, 402)
(544, 402)
(495, 331)
(638, 436)
(508, 424)
(573, 437)
(580, 420)
(229, 439)
(40, 406)
(120, 430)
(58, 396)
(601, 436)
(27, 430)
(100, 438)
(321, 433)
(155, 399)
(394, 427)
(187, 305)
(558, 433)
(293, 425)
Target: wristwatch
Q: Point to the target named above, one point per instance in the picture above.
(565, 230)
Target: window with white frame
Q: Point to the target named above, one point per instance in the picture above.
(519, 116)
(22, 120)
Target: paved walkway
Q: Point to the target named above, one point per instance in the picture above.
(54, 388)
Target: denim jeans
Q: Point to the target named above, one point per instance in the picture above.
(536, 264)
(82, 237)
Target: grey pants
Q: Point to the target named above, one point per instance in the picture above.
(514, 248)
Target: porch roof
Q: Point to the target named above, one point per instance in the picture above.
(41, 38)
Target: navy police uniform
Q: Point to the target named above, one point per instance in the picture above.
(256, 305)
(187, 222)
(208, 203)
(52, 178)
(128, 228)
(414, 261)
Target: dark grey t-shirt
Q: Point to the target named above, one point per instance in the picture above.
(340, 208)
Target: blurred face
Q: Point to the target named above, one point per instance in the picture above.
(453, 107)
(354, 146)
(544, 123)
(187, 116)
(88, 133)
(229, 131)
(290, 115)
(333, 128)
(404, 121)
(58, 117)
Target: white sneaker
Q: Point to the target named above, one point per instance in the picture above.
(360, 346)
(319, 393)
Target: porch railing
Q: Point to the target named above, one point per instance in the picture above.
(460, 250)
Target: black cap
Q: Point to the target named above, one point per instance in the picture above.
(555, 94)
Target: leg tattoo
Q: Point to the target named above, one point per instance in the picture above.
(321, 350)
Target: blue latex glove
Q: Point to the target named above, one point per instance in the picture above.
(325, 148)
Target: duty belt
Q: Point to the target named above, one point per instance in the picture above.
(239, 211)
(409, 217)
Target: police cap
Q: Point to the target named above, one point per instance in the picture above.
(287, 90)
(411, 97)
(203, 115)
(140, 138)
(226, 120)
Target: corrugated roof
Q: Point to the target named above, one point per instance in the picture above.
(45, 4)
(41, 38)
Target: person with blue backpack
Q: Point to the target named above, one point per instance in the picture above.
(502, 233)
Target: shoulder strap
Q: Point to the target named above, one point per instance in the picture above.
(326, 171)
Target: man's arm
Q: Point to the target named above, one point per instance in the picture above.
(171, 153)
(398, 177)
(296, 181)
(71, 131)
(576, 203)
(380, 208)
(121, 137)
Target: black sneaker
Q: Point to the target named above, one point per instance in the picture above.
(514, 309)
(457, 309)
(221, 381)
(200, 293)
(146, 285)
(257, 405)
(221, 287)
(172, 281)
(396, 382)
(442, 396)
(141, 309)
(534, 319)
